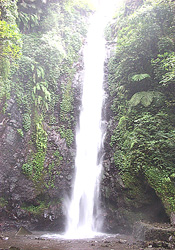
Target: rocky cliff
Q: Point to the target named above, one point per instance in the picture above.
(138, 182)
(39, 110)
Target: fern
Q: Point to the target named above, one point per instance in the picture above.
(146, 98)
(139, 77)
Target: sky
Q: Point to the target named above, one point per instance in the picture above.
(107, 6)
(107, 2)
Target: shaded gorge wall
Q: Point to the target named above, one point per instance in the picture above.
(139, 159)
(40, 96)
(39, 108)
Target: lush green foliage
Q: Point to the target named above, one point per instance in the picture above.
(35, 210)
(34, 168)
(41, 204)
(52, 33)
(141, 82)
(10, 45)
(146, 98)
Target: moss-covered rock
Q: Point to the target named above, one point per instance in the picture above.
(140, 136)
(37, 141)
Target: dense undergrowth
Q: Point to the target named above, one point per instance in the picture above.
(142, 90)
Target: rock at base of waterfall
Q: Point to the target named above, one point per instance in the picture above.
(23, 231)
(148, 232)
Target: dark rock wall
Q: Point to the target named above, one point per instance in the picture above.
(16, 188)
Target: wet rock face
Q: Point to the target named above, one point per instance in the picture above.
(18, 193)
(120, 212)
(64, 166)
(13, 188)
(120, 209)
(16, 189)
(11, 155)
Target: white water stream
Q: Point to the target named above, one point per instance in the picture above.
(83, 209)
(83, 220)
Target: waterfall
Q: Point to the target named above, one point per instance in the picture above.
(83, 208)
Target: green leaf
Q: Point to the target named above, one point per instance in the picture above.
(46, 105)
(34, 89)
(146, 98)
(38, 86)
(139, 77)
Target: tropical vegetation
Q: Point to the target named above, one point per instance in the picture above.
(142, 91)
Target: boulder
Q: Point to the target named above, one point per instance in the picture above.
(23, 231)
(148, 232)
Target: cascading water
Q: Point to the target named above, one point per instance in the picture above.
(83, 207)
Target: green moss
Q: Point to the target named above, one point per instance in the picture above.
(67, 134)
(3, 202)
(26, 121)
(20, 132)
(58, 157)
(163, 184)
(42, 203)
(145, 152)
(35, 210)
(34, 167)
(66, 105)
